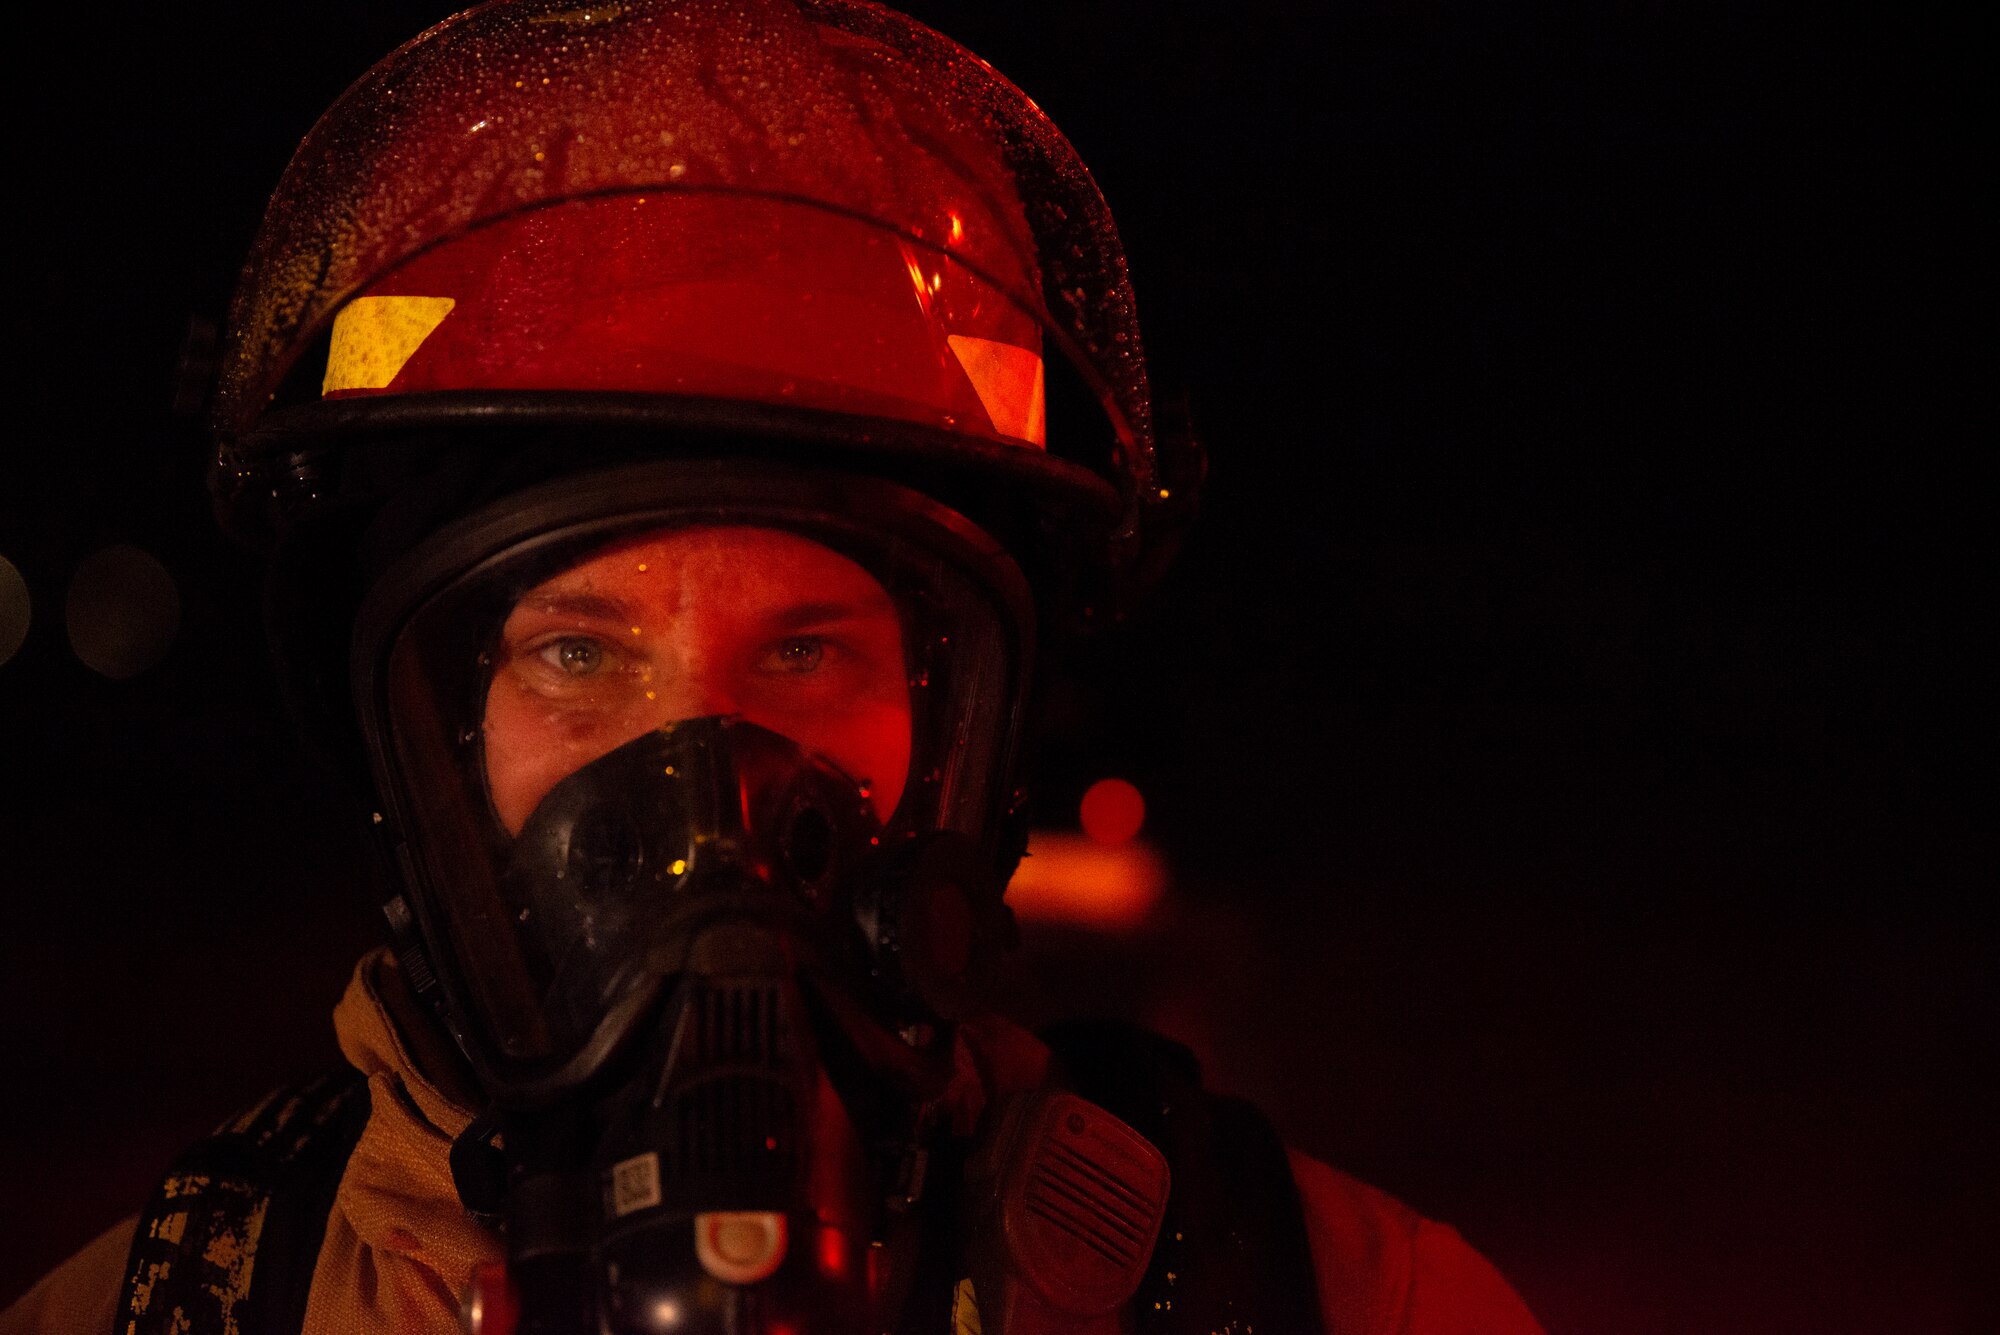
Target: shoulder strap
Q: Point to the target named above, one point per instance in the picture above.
(1233, 1254)
(230, 1238)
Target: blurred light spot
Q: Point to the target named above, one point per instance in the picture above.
(833, 1253)
(122, 611)
(1112, 811)
(16, 610)
(1075, 881)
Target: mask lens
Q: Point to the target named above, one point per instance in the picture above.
(736, 621)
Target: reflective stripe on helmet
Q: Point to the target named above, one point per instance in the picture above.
(374, 336)
(1010, 384)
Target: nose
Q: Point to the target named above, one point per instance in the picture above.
(692, 694)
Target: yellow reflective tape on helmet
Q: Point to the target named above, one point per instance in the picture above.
(1010, 384)
(374, 336)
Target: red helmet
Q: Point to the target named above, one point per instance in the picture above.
(563, 300)
(815, 223)
(557, 276)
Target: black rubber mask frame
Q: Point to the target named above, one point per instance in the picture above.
(422, 656)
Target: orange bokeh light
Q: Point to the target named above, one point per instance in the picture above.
(1075, 881)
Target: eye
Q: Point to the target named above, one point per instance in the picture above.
(575, 656)
(798, 653)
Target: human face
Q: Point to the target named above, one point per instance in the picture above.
(757, 623)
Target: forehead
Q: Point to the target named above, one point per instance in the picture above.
(713, 565)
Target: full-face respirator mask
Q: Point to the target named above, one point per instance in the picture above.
(704, 949)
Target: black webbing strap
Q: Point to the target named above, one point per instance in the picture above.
(230, 1239)
(1233, 1255)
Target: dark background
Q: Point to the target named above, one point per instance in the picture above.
(1564, 724)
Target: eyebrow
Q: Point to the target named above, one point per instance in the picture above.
(800, 615)
(589, 605)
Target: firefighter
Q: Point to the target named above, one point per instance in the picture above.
(677, 428)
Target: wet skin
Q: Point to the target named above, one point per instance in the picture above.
(754, 622)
